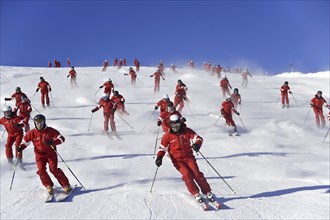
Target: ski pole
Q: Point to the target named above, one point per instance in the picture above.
(307, 114)
(188, 106)
(90, 122)
(97, 91)
(278, 99)
(242, 123)
(67, 165)
(124, 120)
(51, 96)
(34, 108)
(140, 80)
(253, 81)
(217, 172)
(326, 135)
(3, 132)
(12, 178)
(152, 185)
(217, 119)
(148, 120)
(294, 99)
(156, 142)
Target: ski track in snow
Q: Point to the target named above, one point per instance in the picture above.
(279, 167)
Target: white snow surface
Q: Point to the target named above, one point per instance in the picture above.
(279, 167)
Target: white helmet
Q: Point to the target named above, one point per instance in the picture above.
(166, 96)
(175, 119)
(105, 96)
(109, 80)
(228, 98)
(224, 77)
(7, 108)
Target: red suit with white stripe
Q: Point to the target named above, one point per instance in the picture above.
(285, 89)
(225, 86)
(226, 109)
(180, 95)
(109, 108)
(178, 145)
(317, 103)
(44, 89)
(45, 154)
(24, 109)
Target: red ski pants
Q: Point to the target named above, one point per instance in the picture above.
(229, 120)
(109, 117)
(178, 100)
(157, 85)
(57, 172)
(9, 145)
(285, 98)
(319, 117)
(191, 175)
(44, 95)
(225, 91)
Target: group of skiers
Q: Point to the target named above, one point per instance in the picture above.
(178, 140)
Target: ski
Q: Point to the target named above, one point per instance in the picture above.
(48, 197)
(202, 203)
(216, 204)
(61, 196)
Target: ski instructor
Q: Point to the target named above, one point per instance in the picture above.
(177, 142)
(45, 139)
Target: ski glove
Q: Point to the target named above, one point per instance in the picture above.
(49, 142)
(94, 110)
(101, 87)
(37, 90)
(159, 161)
(159, 123)
(7, 99)
(156, 107)
(290, 92)
(196, 147)
(67, 76)
(50, 89)
(20, 148)
(237, 113)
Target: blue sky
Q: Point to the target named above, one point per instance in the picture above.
(267, 34)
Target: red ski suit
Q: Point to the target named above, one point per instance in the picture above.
(137, 65)
(157, 76)
(73, 77)
(245, 75)
(14, 129)
(44, 89)
(226, 109)
(284, 93)
(225, 86)
(180, 95)
(178, 146)
(24, 112)
(119, 100)
(109, 108)
(133, 76)
(317, 104)
(164, 117)
(162, 104)
(17, 96)
(105, 65)
(108, 88)
(236, 99)
(45, 154)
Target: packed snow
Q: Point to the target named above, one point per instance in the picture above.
(279, 167)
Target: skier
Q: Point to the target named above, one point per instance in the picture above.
(133, 75)
(180, 141)
(105, 65)
(191, 64)
(24, 109)
(180, 95)
(120, 64)
(173, 68)
(226, 109)
(124, 62)
(137, 65)
(157, 76)
(73, 75)
(109, 108)
(115, 62)
(162, 103)
(44, 87)
(317, 104)
(236, 98)
(120, 102)
(245, 75)
(17, 96)
(164, 117)
(68, 61)
(108, 87)
(218, 70)
(285, 89)
(13, 125)
(45, 139)
(49, 64)
(225, 86)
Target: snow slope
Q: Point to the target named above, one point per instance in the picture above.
(279, 167)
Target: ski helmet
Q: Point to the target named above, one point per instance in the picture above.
(18, 89)
(175, 122)
(228, 98)
(42, 78)
(175, 119)
(24, 98)
(39, 121)
(236, 90)
(105, 96)
(7, 111)
(319, 92)
(109, 80)
(166, 96)
(180, 81)
(115, 93)
(224, 77)
(286, 83)
(170, 106)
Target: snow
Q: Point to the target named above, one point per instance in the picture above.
(279, 167)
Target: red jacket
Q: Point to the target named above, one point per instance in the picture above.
(17, 97)
(227, 107)
(133, 74)
(44, 86)
(162, 104)
(236, 98)
(39, 139)
(24, 109)
(108, 106)
(318, 103)
(73, 73)
(119, 99)
(245, 74)
(157, 75)
(108, 87)
(180, 90)
(178, 145)
(225, 83)
(13, 125)
(285, 89)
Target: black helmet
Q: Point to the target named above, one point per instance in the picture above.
(42, 78)
(286, 83)
(236, 90)
(319, 92)
(179, 81)
(40, 119)
(18, 89)
(116, 93)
